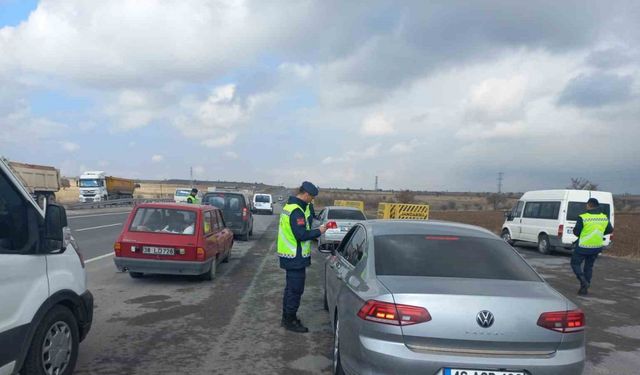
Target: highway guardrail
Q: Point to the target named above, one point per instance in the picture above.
(112, 203)
(403, 211)
(355, 204)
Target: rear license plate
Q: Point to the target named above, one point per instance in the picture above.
(455, 371)
(569, 230)
(344, 229)
(158, 250)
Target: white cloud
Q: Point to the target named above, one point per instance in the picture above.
(497, 99)
(70, 146)
(351, 155)
(214, 119)
(404, 147)
(376, 124)
(157, 158)
(231, 155)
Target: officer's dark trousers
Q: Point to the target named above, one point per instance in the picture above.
(576, 264)
(293, 291)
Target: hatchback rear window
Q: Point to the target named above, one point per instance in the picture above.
(447, 256)
(164, 220)
(263, 198)
(338, 214)
(232, 202)
(576, 209)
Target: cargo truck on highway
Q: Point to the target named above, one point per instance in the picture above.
(96, 186)
(42, 181)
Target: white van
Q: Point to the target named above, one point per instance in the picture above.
(45, 309)
(263, 203)
(181, 195)
(547, 217)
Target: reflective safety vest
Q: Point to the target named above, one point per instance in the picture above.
(193, 200)
(594, 226)
(287, 243)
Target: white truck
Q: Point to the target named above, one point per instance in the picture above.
(96, 186)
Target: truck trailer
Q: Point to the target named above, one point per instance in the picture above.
(42, 181)
(96, 186)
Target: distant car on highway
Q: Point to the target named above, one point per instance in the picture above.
(547, 218)
(181, 195)
(173, 239)
(345, 218)
(409, 297)
(263, 203)
(280, 198)
(236, 210)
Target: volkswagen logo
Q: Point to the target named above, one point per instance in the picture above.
(485, 319)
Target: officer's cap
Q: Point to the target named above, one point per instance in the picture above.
(593, 202)
(310, 188)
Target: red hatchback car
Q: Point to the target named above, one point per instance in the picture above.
(173, 239)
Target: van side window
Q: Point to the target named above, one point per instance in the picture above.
(542, 210)
(17, 231)
(519, 208)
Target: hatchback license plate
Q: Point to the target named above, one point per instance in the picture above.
(456, 371)
(344, 229)
(158, 250)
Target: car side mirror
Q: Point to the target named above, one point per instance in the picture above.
(508, 215)
(55, 220)
(326, 250)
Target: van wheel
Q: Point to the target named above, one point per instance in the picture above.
(136, 275)
(506, 236)
(54, 349)
(211, 274)
(544, 247)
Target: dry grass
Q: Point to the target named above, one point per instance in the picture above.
(626, 243)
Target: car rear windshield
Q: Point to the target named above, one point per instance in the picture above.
(225, 202)
(164, 220)
(182, 193)
(338, 214)
(263, 198)
(576, 209)
(449, 256)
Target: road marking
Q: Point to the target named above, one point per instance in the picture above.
(98, 258)
(96, 215)
(98, 227)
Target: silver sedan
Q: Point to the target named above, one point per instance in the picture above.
(345, 218)
(437, 298)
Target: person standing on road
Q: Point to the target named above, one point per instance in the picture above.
(294, 249)
(590, 229)
(193, 197)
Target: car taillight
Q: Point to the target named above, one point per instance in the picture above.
(391, 313)
(563, 321)
(331, 225)
(117, 247)
(245, 214)
(200, 253)
(560, 230)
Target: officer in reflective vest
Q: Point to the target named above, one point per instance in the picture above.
(193, 197)
(294, 249)
(591, 227)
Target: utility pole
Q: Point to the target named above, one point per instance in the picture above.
(376, 185)
(191, 176)
(500, 178)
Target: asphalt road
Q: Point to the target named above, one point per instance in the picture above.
(172, 325)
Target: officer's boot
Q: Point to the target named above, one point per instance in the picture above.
(292, 324)
(584, 286)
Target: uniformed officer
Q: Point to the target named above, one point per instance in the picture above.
(294, 249)
(591, 227)
(193, 197)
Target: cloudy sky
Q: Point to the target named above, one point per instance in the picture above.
(438, 95)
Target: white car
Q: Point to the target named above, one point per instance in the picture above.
(45, 309)
(547, 217)
(181, 195)
(263, 203)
